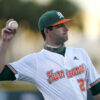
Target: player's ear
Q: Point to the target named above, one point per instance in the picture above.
(45, 31)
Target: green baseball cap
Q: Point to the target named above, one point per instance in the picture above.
(51, 18)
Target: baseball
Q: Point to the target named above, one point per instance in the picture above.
(12, 25)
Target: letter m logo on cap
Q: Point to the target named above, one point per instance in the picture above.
(60, 14)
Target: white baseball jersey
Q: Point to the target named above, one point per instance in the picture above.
(58, 77)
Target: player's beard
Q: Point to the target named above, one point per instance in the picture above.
(60, 39)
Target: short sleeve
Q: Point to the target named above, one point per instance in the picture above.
(92, 75)
(24, 68)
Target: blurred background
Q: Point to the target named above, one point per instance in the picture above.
(84, 30)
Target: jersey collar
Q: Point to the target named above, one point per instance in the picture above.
(60, 50)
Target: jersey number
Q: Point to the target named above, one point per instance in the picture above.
(82, 86)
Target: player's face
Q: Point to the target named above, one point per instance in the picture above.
(59, 34)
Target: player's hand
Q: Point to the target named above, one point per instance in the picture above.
(8, 33)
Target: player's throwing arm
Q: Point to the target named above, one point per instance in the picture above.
(7, 34)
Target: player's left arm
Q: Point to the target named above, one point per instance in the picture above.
(97, 97)
(95, 90)
(92, 76)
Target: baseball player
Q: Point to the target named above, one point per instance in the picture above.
(58, 71)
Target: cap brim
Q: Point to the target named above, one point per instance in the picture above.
(62, 21)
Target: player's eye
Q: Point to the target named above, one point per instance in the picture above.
(60, 25)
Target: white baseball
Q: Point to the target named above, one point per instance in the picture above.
(12, 25)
